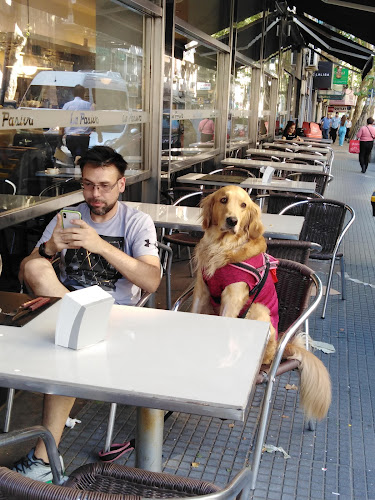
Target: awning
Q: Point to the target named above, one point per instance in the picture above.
(335, 44)
(284, 28)
(360, 22)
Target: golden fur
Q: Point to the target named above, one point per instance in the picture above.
(234, 233)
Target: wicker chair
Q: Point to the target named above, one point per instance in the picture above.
(186, 239)
(275, 202)
(108, 481)
(293, 288)
(326, 223)
(320, 178)
(299, 251)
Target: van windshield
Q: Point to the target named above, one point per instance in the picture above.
(52, 97)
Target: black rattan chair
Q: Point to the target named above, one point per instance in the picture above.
(326, 222)
(187, 239)
(275, 202)
(296, 250)
(320, 178)
(108, 481)
(294, 285)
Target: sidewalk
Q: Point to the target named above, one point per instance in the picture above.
(335, 461)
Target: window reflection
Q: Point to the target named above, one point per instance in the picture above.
(47, 50)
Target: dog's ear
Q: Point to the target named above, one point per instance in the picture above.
(207, 205)
(254, 225)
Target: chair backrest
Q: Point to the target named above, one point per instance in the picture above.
(7, 187)
(193, 199)
(320, 178)
(235, 171)
(293, 288)
(278, 201)
(165, 256)
(325, 222)
(298, 251)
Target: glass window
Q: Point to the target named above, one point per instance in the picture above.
(72, 77)
(264, 105)
(239, 108)
(189, 103)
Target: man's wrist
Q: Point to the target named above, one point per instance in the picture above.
(46, 251)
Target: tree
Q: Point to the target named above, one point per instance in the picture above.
(365, 105)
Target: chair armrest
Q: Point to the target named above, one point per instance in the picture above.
(182, 299)
(16, 437)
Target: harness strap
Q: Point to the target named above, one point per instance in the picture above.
(258, 287)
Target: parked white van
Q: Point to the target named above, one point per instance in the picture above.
(105, 90)
(52, 89)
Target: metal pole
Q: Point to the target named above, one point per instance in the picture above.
(150, 426)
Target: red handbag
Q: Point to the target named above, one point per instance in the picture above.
(354, 146)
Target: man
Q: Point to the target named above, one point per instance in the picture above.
(77, 138)
(113, 246)
(348, 127)
(326, 123)
(334, 127)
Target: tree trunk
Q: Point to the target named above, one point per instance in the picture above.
(365, 106)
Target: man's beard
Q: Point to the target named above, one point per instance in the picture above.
(101, 210)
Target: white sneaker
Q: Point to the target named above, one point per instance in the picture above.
(35, 468)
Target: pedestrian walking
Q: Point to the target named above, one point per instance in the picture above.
(326, 123)
(342, 130)
(366, 136)
(348, 127)
(334, 127)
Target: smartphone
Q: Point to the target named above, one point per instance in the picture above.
(67, 216)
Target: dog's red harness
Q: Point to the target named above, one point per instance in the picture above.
(259, 273)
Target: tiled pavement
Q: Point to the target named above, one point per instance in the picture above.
(335, 460)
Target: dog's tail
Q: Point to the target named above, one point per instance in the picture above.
(315, 391)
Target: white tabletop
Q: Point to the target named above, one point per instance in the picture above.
(252, 183)
(292, 167)
(286, 154)
(200, 364)
(189, 219)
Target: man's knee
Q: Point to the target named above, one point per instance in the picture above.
(36, 270)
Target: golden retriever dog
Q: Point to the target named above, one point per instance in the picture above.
(234, 234)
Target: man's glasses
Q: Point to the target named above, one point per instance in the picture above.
(103, 187)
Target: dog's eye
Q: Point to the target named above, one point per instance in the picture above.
(224, 200)
(243, 205)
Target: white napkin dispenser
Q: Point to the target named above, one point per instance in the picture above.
(83, 317)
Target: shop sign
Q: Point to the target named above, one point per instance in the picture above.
(323, 77)
(339, 109)
(340, 75)
(203, 86)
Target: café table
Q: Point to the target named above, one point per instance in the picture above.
(274, 184)
(290, 167)
(319, 141)
(153, 359)
(287, 154)
(189, 219)
(18, 208)
(309, 144)
(300, 147)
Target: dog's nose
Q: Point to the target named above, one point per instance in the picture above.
(231, 221)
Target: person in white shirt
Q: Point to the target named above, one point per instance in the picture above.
(77, 138)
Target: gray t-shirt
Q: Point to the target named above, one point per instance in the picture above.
(129, 230)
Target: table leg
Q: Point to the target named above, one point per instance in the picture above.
(150, 426)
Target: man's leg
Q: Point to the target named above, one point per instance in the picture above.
(40, 276)
(56, 410)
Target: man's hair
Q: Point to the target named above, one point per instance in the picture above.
(103, 156)
(79, 91)
(370, 121)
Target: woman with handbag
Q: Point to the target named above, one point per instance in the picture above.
(366, 136)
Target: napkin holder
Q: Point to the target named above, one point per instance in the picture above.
(267, 175)
(83, 317)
